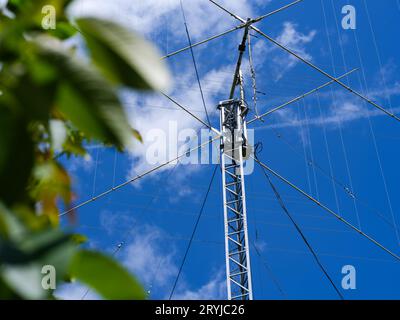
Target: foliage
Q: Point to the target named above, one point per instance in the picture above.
(53, 102)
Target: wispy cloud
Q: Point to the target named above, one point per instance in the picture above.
(214, 289)
(151, 17)
(297, 42)
(147, 256)
(280, 61)
(160, 127)
(344, 114)
(115, 221)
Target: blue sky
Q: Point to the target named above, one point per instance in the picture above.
(347, 138)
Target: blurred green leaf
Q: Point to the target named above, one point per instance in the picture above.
(37, 100)
(3, 227)
(79, 239)
(16, 155)
(53, 184)
(74, 143)
(25, 280)
(52, 104)
(12, 229)
(63, 31)
(22, 262)
(85, 97)
(137, 135)
(6, 293)
(123, 57)
(105, 276)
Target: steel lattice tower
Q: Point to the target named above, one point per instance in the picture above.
(233, 151)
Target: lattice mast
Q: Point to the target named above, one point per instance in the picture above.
(234, 150)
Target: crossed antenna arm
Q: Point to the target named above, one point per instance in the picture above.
(245, 25)
(291, 52)
(241, 26)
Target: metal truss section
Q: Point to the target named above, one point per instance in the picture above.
(233, 147)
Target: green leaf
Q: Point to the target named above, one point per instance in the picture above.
(105, 276)
(123, 56)
(85, 97)
(49, 246)
(63, 31)
(11, 228)
(22, 262)
(25, 280)
(79, 239)
(5, 291)
(74, 143)
(137, 135)
(16, 155)
(36, 100)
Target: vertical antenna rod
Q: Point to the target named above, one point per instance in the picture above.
(233, 150)
(242, 49)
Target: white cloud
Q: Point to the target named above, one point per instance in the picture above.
(343, 114)
(214, 289)
(154, 113)
(152, 16)
(393, 90)
(278, 61)
(144, 255)
(296, 41)
(147, 258)
(75, 163)
(115, 221)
